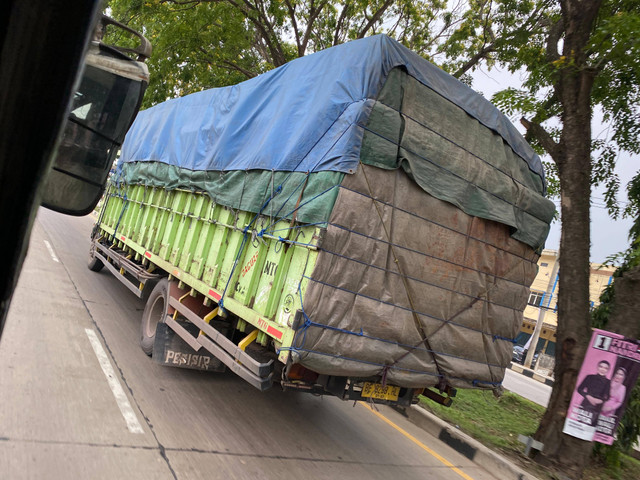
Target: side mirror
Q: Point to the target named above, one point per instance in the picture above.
(102, 110)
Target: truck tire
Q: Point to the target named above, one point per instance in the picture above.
(94, 264)
(155, 311)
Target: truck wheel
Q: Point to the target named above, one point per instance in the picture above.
(155, 311)
(94, 263)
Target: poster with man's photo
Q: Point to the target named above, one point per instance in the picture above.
(609, 372)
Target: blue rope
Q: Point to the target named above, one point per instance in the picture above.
(436, 223)
(390, 367)
(366, 362)
(313, 170)
(293, 242)
(124, 207)
(304, 203)
(386, 270)
(277, 215)
(276, 192)
(235, 264)
(310, 323)
(498, 337)
(319, 139)
(301, 338)
(245, 232)
(247, 228)
(426, 255)
(303, 225)
(405, 308)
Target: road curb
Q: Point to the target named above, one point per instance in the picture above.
(531, 374)
(494, 463)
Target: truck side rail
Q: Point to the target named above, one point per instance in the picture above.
(218, 252)
(257, 374)
(122, 267)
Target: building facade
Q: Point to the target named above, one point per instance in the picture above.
(542, 305)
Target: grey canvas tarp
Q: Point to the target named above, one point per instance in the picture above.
(451, 319)
(455, 158)
(431, 239)
(430, 249)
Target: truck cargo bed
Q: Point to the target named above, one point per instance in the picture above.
(380, 236)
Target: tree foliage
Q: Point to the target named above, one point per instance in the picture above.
(612, 57)
(192, 45)
(200, 44)
(608, 312)
(580, 56)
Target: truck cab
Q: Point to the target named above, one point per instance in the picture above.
(103, 107)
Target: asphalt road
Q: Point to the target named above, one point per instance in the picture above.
(527, 387)
(66, 415)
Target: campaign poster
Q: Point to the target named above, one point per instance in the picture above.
(608, 374)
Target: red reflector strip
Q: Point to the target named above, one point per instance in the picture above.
(147, 254)
(215, 296)
(274, 332)
(123, 238)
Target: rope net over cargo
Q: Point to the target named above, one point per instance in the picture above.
(414, 207)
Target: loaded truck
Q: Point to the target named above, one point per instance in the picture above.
(354, 223)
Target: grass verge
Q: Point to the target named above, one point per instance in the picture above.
(497, 422)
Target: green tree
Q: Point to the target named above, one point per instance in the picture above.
(201, 44)
(619, 304)
(195, 47)
(579, 55)
(583, 54)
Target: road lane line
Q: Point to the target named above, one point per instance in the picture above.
(418, 442)
(51, 252)
(121, 398)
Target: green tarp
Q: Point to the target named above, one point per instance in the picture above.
(271, 193)
(455, 158)
(449, 154)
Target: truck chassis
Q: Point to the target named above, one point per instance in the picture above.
(191, 331)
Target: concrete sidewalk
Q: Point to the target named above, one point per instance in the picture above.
(527, 372)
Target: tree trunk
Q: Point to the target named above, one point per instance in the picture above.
(560, 450)
(573, 157)
(624, 317)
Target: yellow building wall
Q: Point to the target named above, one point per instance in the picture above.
(545, 283)
(599, 278)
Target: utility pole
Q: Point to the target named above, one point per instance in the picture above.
(542, 310)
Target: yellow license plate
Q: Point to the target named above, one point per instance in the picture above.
(376, 390)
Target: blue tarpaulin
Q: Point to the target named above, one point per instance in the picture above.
(306, 116)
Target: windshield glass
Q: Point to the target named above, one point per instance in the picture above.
(105, 102)
(101, 112)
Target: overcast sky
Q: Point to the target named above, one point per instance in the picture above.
(607, 236)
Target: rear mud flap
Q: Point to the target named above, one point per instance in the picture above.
(171, 350)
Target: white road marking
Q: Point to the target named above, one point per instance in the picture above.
(51, 252)
(121, 398)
